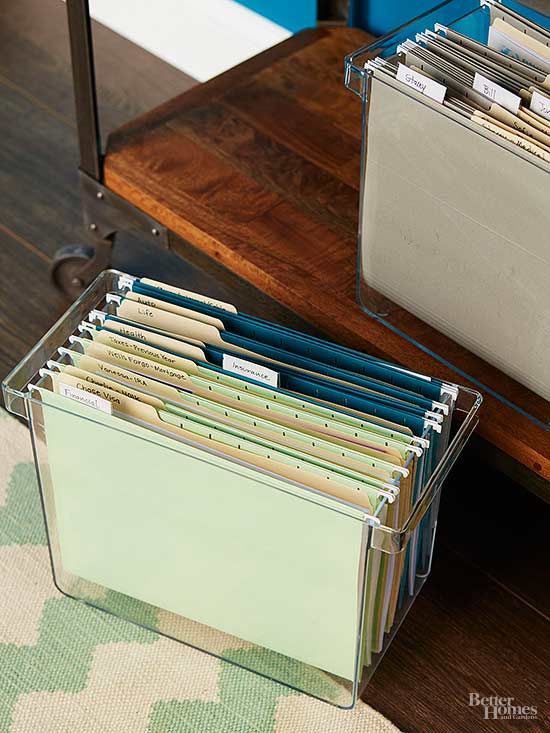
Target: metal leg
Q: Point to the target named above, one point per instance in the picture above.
(105, 213)
(82, 59)
(75, 266)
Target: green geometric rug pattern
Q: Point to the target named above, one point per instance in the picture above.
(68, 668)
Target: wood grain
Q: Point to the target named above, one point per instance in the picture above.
(38, 164)
(40, 207)
(259, 168)
(35, 57)
(463, 635)
(38, 150)
(27, 305)
(484, 520)
(272, 165)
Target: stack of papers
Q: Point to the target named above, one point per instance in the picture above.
(502, 85)
(237, 469)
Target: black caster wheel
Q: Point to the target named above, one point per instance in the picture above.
(66, 267)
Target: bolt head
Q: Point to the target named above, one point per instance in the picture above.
(93, 227)
(77, 282)
(155, 232)
(99, 194)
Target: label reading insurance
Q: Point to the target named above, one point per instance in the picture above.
(249, 369)
(498, 94)
(540, 105)
(421, 83)
(86, 398)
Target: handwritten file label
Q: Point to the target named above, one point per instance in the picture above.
(498, 94)
(421, 83)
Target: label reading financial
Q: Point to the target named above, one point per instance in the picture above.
(85, 398)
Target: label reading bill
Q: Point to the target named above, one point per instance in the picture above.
(498, 94)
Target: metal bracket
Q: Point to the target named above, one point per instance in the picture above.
(106, 213)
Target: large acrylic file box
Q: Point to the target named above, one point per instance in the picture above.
(209, 550)
(455, 220)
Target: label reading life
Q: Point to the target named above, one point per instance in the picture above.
(248, 369)
(85, 398)
(498, 94)
(421, 83)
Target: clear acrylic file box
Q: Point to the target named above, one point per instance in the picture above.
(454, 220)
(283, 580)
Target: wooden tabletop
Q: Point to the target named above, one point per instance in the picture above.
(259, 168)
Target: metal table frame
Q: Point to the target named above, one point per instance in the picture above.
(105, 213)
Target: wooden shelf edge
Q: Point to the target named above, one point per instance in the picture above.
(500, 425)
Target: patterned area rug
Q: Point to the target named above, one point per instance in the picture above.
(67, 668)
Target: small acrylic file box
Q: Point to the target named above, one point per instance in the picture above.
(258, 570)
(454, 220)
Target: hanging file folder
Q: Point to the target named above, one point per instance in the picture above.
(284, 525)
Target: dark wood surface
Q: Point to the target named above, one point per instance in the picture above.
(481, 622)
(259, 168)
